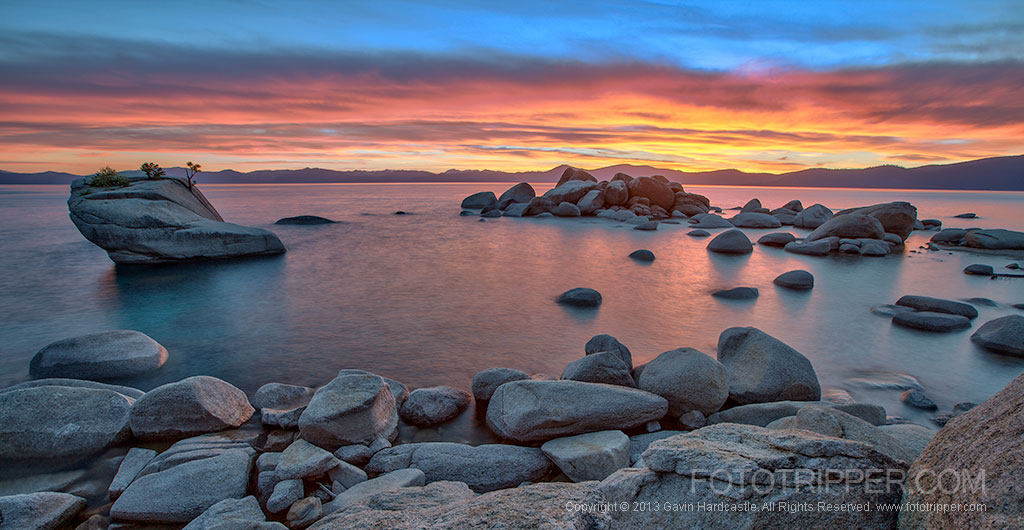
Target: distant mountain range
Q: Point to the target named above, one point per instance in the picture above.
(1001, 173)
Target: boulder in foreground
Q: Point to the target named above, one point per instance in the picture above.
(1004, 334)
(762, 368)
(104, 355)
(591, 456)
(39, 511)
(354, 408)
(484, 468)
(194, 405)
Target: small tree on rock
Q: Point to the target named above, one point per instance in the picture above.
(152, 170)
(107, 178)
(190, 171)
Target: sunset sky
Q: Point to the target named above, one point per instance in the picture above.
(435, 84)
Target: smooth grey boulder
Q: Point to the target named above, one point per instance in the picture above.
(39, 511)
(539, 205)
(798, 279)
(776, 239)
(642, 255)
(133, 393)
(103, 355)
(812, 217)
(590, 456)
(487, 381)
(698, 233)
(567, 209)
(752, 205)
(1004, 335)
(305, 512)
(515, 209)
(63, 481)
(688, 379)
(354, 408)
(480, 200)
(616, 193)
(874, 249)
(133, 464)
(737, 293)
(433, 405)
(520, 193)
(398, 389)
(755, 220)
(995, 239)
(580, 297)
(851, 226)
(601, 367)
(895, 217)
(574, 173)
(302, 459)
(285, 493)
(528, 411)
(710, 221)
(831, 421)
(159, 221)
(570, 192)
(400, 478)
(591, 202)
(937, 305)
(762, 368)
(346, 474)
(61, 422)
(182, 492)
(654, 190)
(931, 321)
(979, 269)
(281, 396)
(194, 405)
(731, 242)
(736, 464)
(234, 514)
(809, 248)
(305, 220)
(605, 342)
(913, 438)
(647, 226)
(483, 468)
(762, 414)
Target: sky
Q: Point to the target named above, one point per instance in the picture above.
(768, 86)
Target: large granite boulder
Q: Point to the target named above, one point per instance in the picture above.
(234, 514)
(39, 511)
(487, 381)
(1004, 334)
(605, 342)
(484, 468)
(128, 391)
(616, 193)
(104, 355)
(480, 200)
(851, 226)
(573, 173)
(731, 242)
(977, 458)
(601, 367)
(161, 220)
(654, 190)
(937, 305)
(591, 202)
(688, 379)
(995, 239)
(762, 368)
(762, 414)
(751, 468)
(193, 405)
(61, 422)
(590, 456)
(571, 191)
(896, 217)
(529, 411)
(520, 193)
(813, 216)
(433, 405)
(755, 220)
(354, 408)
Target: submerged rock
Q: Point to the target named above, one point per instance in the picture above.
(698, 233)
(104, 355)
(642, 255)
(1004, 334)
(483, 468)
(917, 399)
(810, 248)
(307, 220)
(580, 297)
(161, 220)
(979, 270)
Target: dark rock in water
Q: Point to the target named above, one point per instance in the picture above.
(966, 216)
(812, 217)
(982, 301)
(491, 214)
(601, 367)
(648, 226)
(852, 226)
(605, 342)
(480, 200)
(482, 220)
(429, 406)
(104, 355)
(1019, 306)
(776, 239)
(689, 379)
(896, 217)
(465, 213)
(653, 189)
(755, 220)
(918, 399)
(942, 419)
(304, 220)
(567, 209)
(1004, 334)
(731, 242)
(195, 405)
(580, 297)
(401, 212)
(938, 305)
(520, 193)
(929, 321)
(979, 270)
(698, 233)
(794, 205)
(570, 192)
(812, 248)
(889, 310)
(539, 205)
(487, 381)
(642, 255)
(737, 293)
(995, 239)
(572, 173)
(1013, 266)
(798, 279)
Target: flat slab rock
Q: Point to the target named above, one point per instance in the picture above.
(104, 355)
(39, 511)
(931, 321)
(591, 456)
(484, 468)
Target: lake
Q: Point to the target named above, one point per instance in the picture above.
(432, 298)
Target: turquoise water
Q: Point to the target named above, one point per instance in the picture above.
(432, 298)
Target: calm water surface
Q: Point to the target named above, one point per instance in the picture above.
(432, 298)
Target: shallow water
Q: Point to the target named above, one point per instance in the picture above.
(432, 298)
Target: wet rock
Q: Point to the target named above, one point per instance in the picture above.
(483, 468)
(937, 305)
(761, 368)
(104, 355)
(979, 270)
(966, 215)
(591, 456)
(487, 381)
(931, 321)
(1004, 335)
(353, 408)
(642, 255)
(918, 399)
(193, 405)
(737, 293)
(710, 221)
(580, 297)
(698, 233)
(874, 249)
(39, 511)
(731, 242)
(654, 190)
(811, 248)
(479, 201)
(647, 226)
(776, 239)
(755, 220)
(798, 279)
(601, 367)
(566, 209)
(997, 239)
(688, 379)
(430, 406)
(304, 220)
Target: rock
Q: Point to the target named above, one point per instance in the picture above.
(1004, 334)
(521, 193)
(602, 367)
(809, 248)
(616, 193)
(487, 381)
(761, 368)
(776, 239)
(966, 216)
(798, 279)
(930, 321)
(61, 422)
(161, 220)
(731, 242)
(979, 460)
(698, 233)
(979, 270)
(539, 205)
(479, 201)
(62, 481)
(604, 342)
(762, 414)
(950, 236)
(566, 209)
(304, 220)
(896, 217)
(737, 293)
(624, 215)
(193, 405)
(281, 396)
(133, 464)
(515, 210)
(104, 355)
(693, 420)
(937, 305)
(638, 220)
(874, 249)
(528, 411)
(996, 239)
(654, 190)
(688, 379)
(913, 438)
(133, 393)
(40, 511)
(354, 408)
(851, 226)
(812, 217)
(794, 205)
(430, 406)
(917, 399)
(493, 213)
(647, 226)
(389, 481)
(748, 466)
(540, 506)
(710, 221)
(580, 297)
(639, 443)
(572, 173)
(399, 390)
(346, 474)
(642, 255)
(755, 220)
(286, 493)
(236, 514)
(591, 202)
(591, 456)
(570, 192)
(981, 301)
(751, 205)
(302, 459)
(305, 512)
(831, 421)
(196, 486)
(484, 468)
